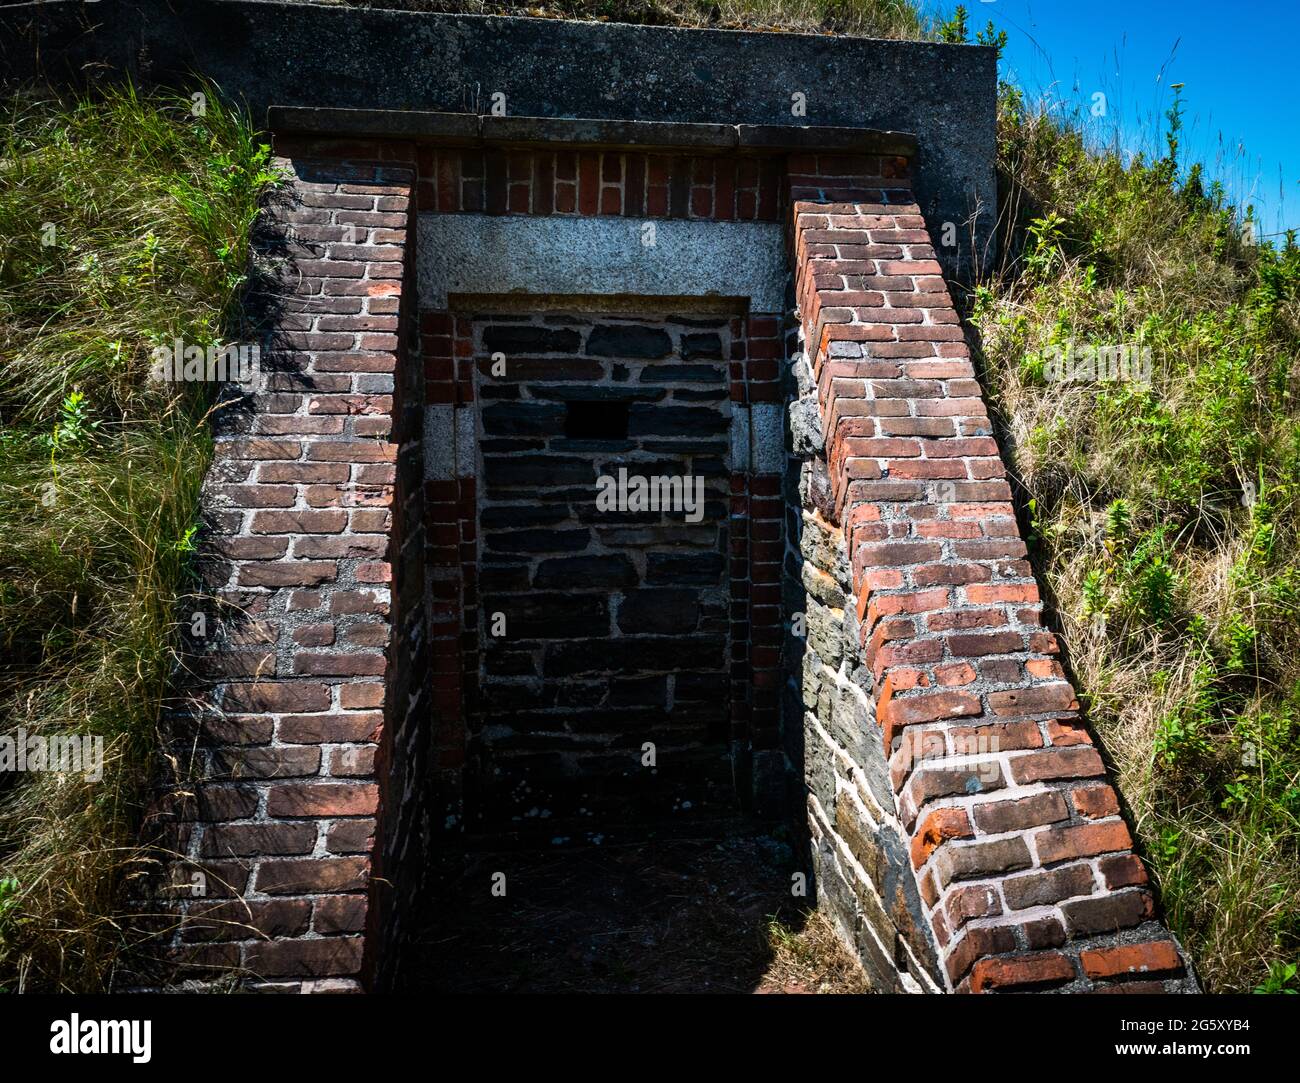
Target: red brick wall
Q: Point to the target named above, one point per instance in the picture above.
(345, 705)
(336, 705)
(646, 186)
(600, 182)
(1023, 862)
(282, 824)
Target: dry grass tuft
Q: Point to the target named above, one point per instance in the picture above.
(811, 959)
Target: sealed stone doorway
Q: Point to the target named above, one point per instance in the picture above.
(604, 617)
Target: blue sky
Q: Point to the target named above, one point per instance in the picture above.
(1236, 61)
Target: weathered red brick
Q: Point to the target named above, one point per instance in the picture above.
(1044, 888)
(331, 728)
(996, 817)
(299, 800)
(357, 695)
(1038, 699)
(289, 573)
(1107, 913)
(325, 957)
(975, 860)
(1122, 870)
(254, 840)
(973, 901)
(276, 696)
(244, 920)
(1152, 957)
(339, 664)
(939, 826)
(1052, 763)
(1020, 972)
(339, 914)
(977, 941)
(1083, 840)
(312, 876)
(1095, 802)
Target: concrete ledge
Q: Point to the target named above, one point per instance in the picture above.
(489, 254)
(351, 58)
(470, 129)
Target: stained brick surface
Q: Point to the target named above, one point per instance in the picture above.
(299, 503)
(612, 626)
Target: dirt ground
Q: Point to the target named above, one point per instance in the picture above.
(656, 915)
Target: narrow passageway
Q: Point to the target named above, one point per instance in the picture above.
(602, 846)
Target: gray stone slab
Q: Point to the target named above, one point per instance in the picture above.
(485, 254)
(388, 123)
(767, 437)
(439, 442)
(472, 128)
(821, 137)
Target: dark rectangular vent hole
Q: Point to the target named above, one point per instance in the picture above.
(595, 420)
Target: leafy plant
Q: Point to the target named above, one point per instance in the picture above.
(1281, 979)
(74, 429)
(1163, 510)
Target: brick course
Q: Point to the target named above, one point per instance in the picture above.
(299, 507)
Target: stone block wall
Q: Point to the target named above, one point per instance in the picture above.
(602, 628)
(859, 847)
(964, 832)
(586, 187)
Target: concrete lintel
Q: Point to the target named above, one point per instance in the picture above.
(480, 254)
(386, 123)
(472, 129)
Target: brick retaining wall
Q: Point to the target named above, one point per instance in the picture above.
(941, 729)
(299, 535)
(964, 834)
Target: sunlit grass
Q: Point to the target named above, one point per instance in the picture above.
(126, 224)
(1165, 516)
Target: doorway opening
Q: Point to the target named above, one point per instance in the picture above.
(604, 618)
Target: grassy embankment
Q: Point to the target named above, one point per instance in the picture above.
(1165, 514)
(124, 224)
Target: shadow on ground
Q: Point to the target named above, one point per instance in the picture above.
(659, 915)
